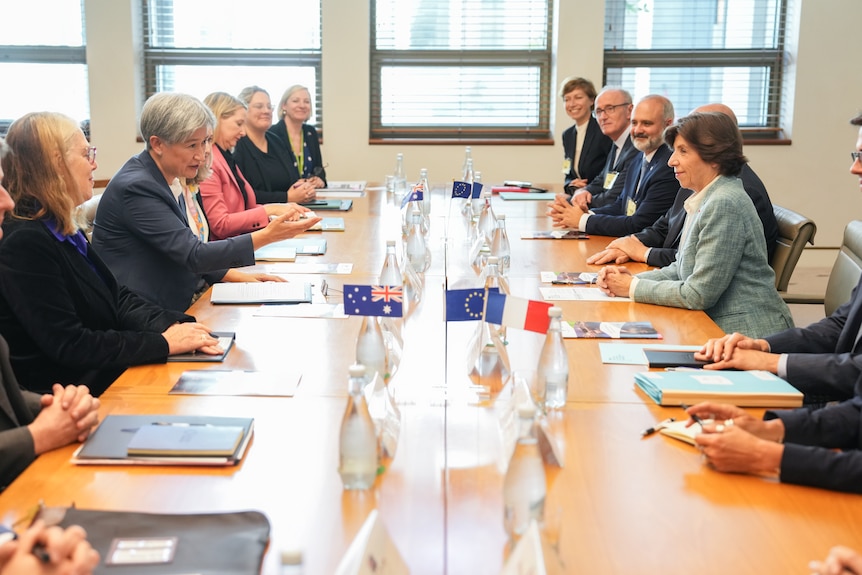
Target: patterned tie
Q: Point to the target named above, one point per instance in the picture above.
(644, 168)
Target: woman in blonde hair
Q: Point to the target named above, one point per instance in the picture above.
(61, 310)
(302, 139)
(229, 201)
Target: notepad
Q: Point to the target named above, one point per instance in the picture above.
(743, 388)
(185, 439)
(661, 358)
(225, 341)
(555, 235)
(261, 292)
(109, 443)
(328, 225)
(287, 250)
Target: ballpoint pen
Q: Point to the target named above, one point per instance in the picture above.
(657, 426)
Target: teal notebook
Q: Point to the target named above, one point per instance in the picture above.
(742, 388)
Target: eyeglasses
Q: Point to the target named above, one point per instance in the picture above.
(608, 109)
(91, 154)
(857, 156)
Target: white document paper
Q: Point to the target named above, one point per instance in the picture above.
(577, 294)
(324, 310)
(633, 353)
(341, 269)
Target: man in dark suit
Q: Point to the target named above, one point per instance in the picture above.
(613, 114)
(821, 448)
(649, 190)
(30, 423)
(657, 244)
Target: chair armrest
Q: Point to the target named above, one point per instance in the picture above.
(802, 298)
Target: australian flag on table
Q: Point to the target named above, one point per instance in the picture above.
(415, 194)
(373, 300)
(461, 190)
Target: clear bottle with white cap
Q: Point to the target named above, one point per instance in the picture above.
(552, 374)
(358, 459)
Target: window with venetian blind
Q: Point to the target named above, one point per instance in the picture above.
(466, 70)
(44, 66)
(204, 46)
(701, 51)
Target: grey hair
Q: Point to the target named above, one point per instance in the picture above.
(626, 94)
(668, 113)
(173, 117)
(248, 93)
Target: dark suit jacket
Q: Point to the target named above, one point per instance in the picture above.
(67, 322)
(824, 358)
(653, 198)
(143, 235)
(312, 140)
(18, 408)
(810, 438)
(270, 174)
(604, 197)
(593, 154)
(663, 235)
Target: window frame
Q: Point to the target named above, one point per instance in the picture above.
(436, 58)
(773, 59)
(153, 57)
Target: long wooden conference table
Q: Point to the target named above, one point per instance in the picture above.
(621, 504)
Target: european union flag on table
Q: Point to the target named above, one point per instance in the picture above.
(373, 300)
(517, 312)
(477, 190)
(465, 304)
(414, 195)
(461, 190)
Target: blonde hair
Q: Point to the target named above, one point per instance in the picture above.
(286, 96)
(36, 172)
(223, 105)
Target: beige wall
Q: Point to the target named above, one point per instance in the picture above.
(809, 176)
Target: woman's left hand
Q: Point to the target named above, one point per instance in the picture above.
(614, 281)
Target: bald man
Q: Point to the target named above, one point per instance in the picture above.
(657, 244)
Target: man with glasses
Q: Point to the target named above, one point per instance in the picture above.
(650, 186)
(824, 360)
(657, 245)
(613, 113)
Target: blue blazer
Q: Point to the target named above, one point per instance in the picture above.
(810, 442)
(653, 198)
(722, 267)
(593, 154)
(605, 197)
(144, 237)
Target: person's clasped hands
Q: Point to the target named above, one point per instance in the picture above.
(620, 251)
(67, 552)
(68, 414)
(840, 561)
(564, 214)
(737, 351)
(614, 281)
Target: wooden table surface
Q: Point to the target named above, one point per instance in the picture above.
(623, 504)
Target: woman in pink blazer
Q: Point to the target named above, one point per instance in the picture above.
(228, 199)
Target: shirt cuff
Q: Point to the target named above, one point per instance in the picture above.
(782, 366)
(582, 224)
(646, 255)
(633, 286)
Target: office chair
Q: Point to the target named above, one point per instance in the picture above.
(794, 231)
(844, 275)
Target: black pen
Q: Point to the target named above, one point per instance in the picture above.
(656, 427)
(694, 417)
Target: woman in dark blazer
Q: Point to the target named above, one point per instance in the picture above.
(263, 157)
(62, 312)
(303, 142)
(585, 147)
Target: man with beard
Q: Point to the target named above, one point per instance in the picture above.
(650, 186)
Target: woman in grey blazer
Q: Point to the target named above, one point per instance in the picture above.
(722, 266)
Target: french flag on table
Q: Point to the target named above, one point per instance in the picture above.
(520, 313)
(461, 190)
(477, 190)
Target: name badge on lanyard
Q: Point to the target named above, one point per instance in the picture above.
(610, 178)
(567, 166)
(631, 207)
